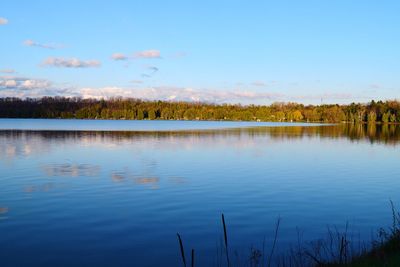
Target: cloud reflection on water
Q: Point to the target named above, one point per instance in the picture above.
(47, 187)
(72, 170)
(126, 176)
(3, 210)
(153, 182)
(177, 180)
(118, 177)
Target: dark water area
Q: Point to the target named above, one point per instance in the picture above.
(118, 198)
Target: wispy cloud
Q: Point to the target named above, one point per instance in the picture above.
(119, 56)
(137, 81)
(146, 54)
(36, 44)
(151, 71)
(152, 53)
(179, 55)
(70, 63)
(3, 21)
(9, 71)
(259, 83)
(34, 83)
(375, 86)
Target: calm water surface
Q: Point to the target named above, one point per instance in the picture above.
(106, 198)
(129, 125)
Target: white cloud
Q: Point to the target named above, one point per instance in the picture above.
(3, 21)
(23, 87)
(152, 53)
(119, 56)
(70, 63)
(10, 83)
(175, 94)
(105, 92)
(32, 84)
(14, 86)
(22, 83)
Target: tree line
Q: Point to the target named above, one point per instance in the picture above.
(136, 109)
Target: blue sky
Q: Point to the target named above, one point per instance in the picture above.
(219, 51)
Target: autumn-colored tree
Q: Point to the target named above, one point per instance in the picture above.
(119, 108)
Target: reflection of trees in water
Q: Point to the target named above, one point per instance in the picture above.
(380, 133)
(24, 143)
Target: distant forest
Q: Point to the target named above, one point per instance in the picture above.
(135, 109)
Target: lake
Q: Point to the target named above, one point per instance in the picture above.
(115, 193)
